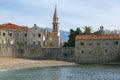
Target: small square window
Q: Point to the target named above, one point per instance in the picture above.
(89, 52)
(106, 43)
(17, 34)
(90, 44)
(98, 43)
(3, 34)
(116, 42)
(39, 35)
(82, 44)
(25, 34)
(82, 51)
(10, 34)
(106, 50)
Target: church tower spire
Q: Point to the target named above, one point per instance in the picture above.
(55, 13)
(56, 22)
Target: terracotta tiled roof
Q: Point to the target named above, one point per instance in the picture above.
(13, 26)
(97, 37)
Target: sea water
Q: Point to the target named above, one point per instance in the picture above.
(79, 72)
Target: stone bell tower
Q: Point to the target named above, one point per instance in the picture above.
(56, 23)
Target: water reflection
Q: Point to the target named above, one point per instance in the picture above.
(81, 72)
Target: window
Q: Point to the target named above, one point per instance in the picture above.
(39, 35)
(106, 43)
(3, 34)
(82, 44)
(98, 43)
(54, 27)
(106, 50)
(10, 34)
(25, 34)
(82, 51)
(90, 44)
(17, 34)
(116, 42)
(89, 52)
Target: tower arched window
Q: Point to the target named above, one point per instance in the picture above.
(54, 27)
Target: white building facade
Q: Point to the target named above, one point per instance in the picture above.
(35, 36)
(13, 34)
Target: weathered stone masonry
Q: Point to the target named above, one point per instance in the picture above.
(36, 52)
(86, 51)
(97, 48)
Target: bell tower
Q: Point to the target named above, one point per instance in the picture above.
(56, 23)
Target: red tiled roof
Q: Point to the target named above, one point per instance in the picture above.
(97, 37)
(13, 26)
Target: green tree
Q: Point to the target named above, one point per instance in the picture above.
(78, 31)
(71, 41)
(66, 44)
(100, 31)
(87, 30)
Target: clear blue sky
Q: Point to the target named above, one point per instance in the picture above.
(72, 13)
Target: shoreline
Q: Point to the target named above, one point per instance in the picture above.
(32, 67)
(18, 63)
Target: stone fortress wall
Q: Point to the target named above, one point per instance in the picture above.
(64, 54)
(36, 52)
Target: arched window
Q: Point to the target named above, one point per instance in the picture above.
(54, 26)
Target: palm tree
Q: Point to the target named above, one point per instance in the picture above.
(87, 30)
(100, 31)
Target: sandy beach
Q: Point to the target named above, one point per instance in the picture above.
(16, 63)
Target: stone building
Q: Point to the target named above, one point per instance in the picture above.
(36, 36)
(97, 48)
(53, 38)
(39, 36)
(13, 34)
